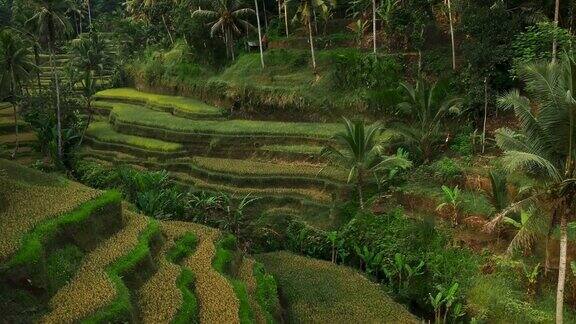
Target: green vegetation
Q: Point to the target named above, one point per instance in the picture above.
(32, 242)
(103, 132)
(186, 107)
(188, 312)
(446, 196)
(135, 115)
(120, 307)
(222, 262)
(321, 291)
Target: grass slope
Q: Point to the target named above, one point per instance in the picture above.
(138, 115)
(102, 131)
(27, 198)
(320, 292)
(188, 106)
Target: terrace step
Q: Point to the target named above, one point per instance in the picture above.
(138, 120)
(217, 299)
(97, 285)
(176, 105)
(246, 274)
(251, 175)
(160, 299)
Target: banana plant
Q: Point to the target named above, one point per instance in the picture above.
(333, 238)
(453, 198)
(531, 275)
(402, 272)
(371, 260)
(443, 300)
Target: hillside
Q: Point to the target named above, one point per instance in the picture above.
(90, 258)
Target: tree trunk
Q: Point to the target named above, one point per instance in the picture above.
(374, 24)
(58, 113)
(311, 44)
(485, 114)
(286, 16)
(89, 15)
(259, 33)
(15, 111)
(452, 34)
(562, 268)
(37, 62)
(265, 16)
(359, 184)
(15, 152)
(90, 112)
(555, 41)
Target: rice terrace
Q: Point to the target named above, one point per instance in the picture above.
(288, 161)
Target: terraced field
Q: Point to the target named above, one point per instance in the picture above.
(318, 291)
(26, 138)
(125, 267)
(60, 65)
(199, 146)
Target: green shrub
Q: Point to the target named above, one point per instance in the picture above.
(446, 170)
(535, 44)
(353, 69)
(463, 142)
(266, 293)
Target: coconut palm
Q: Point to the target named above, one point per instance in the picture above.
(49, 17)
(15, 69)
(227, 17)
(427, 106)
(306, 10)
(545, 147)
(359, 153)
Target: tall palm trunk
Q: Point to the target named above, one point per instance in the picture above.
(89, 15)
(13, 81)
(452, 34)
(311, 44)
(555, 41)
(265, 15)
(374, 24)
(259, 33)
(58, 113)
(485, 113)
(562, 267)
(286, 16)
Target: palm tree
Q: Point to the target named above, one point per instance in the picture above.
(304, 14)
(427, 106)
(16, 69)
(49, 17)
(358, 152)
(90, 57)
(544, 147)
(226, 17)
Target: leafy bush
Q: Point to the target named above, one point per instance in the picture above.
(446, 170)
(354, 69)
(464, 141)
(536, 43)
(418, 241)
